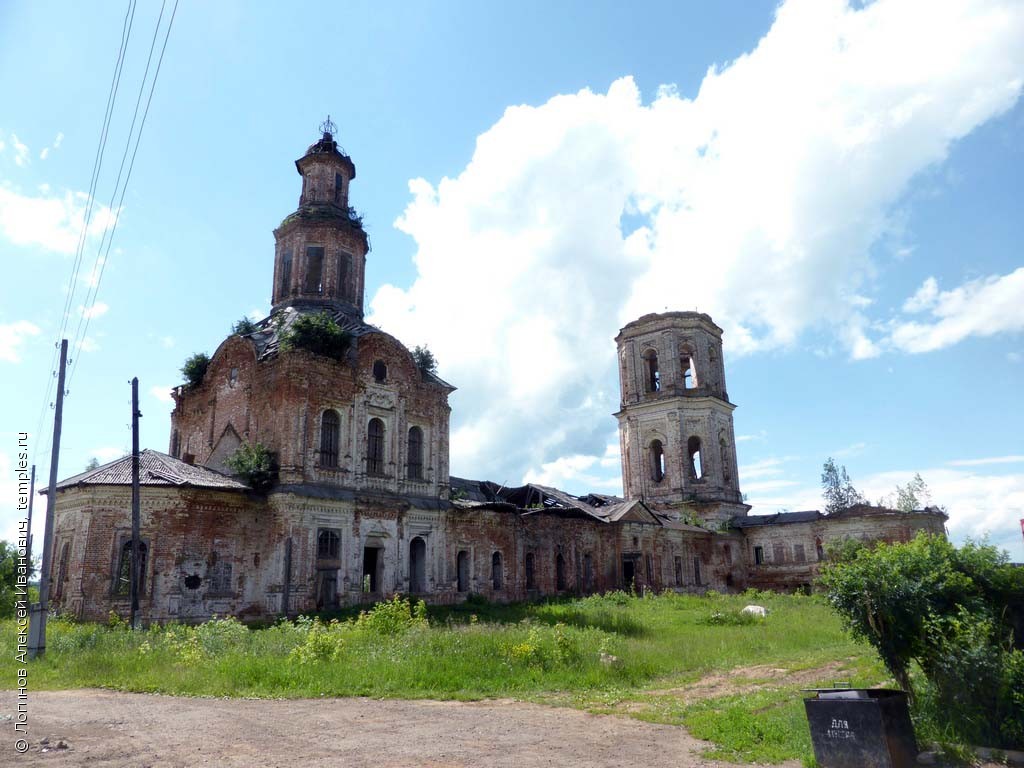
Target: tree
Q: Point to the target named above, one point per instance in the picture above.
(837, 489)
(319, 334)
(194, 369)
(947, 609)
(92, 464)
(913, 495)
(425, 359)
(243, 327)
(9, 579)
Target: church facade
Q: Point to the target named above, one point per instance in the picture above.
(363, 504)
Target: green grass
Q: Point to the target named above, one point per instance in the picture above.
(549, 652)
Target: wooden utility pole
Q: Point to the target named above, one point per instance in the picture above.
(37, 615)
(136, 544)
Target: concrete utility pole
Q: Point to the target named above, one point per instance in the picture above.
(28, 525)
(37, 614)
(136, 559)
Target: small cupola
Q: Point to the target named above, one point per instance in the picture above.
(320, 257)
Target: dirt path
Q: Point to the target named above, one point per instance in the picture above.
(105, 728)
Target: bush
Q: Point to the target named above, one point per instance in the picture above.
(735, 618)
(323, 642)
(946, 609)
(319, 334)
(255, 464)
(194, 369)
(392, 617)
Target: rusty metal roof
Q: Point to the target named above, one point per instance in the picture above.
(155, 468)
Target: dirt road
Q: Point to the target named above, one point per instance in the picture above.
(104, 728)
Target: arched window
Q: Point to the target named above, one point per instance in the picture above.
(380, 371)
(559, 572)
(531, 579)
(123, 577)
(218, 575)
(417, 565)
(314, 269)
(462, 570)
(344, 267)
(689, 371)
(496, 571)
(375, 447)
(286, 272)
(693, 451)
(62, 570)
(652, 376)
(330, 439)
(657, 461)
(414, 464)
(328, 544)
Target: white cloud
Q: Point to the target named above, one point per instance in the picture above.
(50, 221)
(21, 152)
(167, 341)
(762, 435)
(763, 468)
(981, 307)
(924, 298)
(89, 344)
(1014, 357)
(13, 336)
(757, 201)
(162, 393)
(986, 461)
(58, 139)
(44, 152)
(98, 309)
(850, 450)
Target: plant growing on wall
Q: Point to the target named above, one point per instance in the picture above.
(194, 369)
(255, 464)
(425, 359)
(243, 327)
(319, 334)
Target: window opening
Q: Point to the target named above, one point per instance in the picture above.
(219, 575)
(696, 572)
(339, 186)
(330, 438)
(693, 450)
(414, 465)
(657, 461)
(380, 371)
(496, 571)
(417, 565)
(375, 447)
(314, 269)
(678, 563)
(689, 373)
(799, 555)
(758, 555)
(462, 570)
(122, 585)
(286, 272)
(653, 374)
(344, 266)
(328, 544)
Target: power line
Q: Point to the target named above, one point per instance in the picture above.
(102, 264)
(115, 80)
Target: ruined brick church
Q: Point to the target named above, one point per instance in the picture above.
(364, 506)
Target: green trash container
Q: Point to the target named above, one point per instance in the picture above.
(861, 728)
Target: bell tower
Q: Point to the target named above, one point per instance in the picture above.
(675, 421)
(320, 256)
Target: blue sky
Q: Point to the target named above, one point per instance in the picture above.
(838, 186)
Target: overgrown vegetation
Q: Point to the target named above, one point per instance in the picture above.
(243, 327)
(947, 610)
(616, 652)
(255, 463)
(425, 359)
(194, 369)
(9, 579)
(317, 333)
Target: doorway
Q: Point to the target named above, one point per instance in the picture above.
(417, 566)
(371, 569)
(628, 573)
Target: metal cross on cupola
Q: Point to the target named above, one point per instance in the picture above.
(327, 128)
